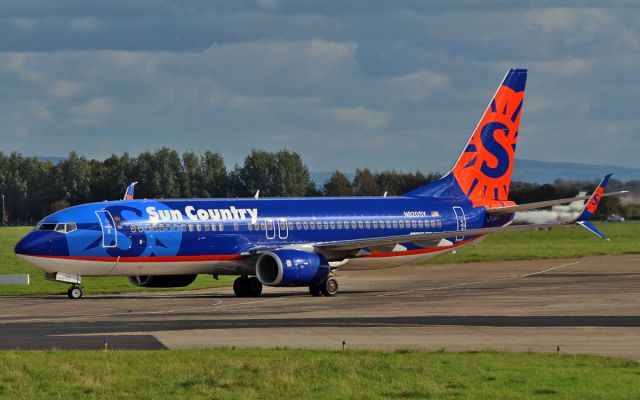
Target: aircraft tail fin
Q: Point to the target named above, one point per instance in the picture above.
(482, 172)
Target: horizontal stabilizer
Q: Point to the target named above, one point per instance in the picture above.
(588, 226)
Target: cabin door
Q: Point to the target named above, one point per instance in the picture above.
(109, 233)
(461, 221)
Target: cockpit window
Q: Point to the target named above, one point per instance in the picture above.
(45, 227)
(62, 228)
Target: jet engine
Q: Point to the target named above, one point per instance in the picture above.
(162, 281)
(291, 268)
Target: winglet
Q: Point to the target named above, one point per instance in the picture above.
(128, 194)
(590, 208)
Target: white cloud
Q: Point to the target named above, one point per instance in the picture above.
(418, 85)
(361, 116)
(65, 89)
(93, 111)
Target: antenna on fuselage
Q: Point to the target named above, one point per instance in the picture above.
(257, 194)
(385, 194)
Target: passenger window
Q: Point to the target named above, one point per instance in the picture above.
(367, 224)
(263, 226)
(140, 228)
(375, 224)
(420, 224)
(401, 223)
(433, 223)
(235, 226)
(206, 227)
(414, 224)
(381, 224)
(339, 225)
(395, 224)
(290, 225)
(198, 227)
(213, 227)
(250, 227)
(221, 227)
(312, 225)
(353, 224)
(326, 225)
(190, 227)
(439, 224)
(319, 226)
(175, 227)
(298, 226)
(154, 228)
(133, 229)
(332, 225)
(346, 224)
(388, 224)
(360, 225)
(148, 228)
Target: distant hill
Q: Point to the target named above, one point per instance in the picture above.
(539, 172)
(547, 172)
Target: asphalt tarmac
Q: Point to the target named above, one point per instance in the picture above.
(585, 305)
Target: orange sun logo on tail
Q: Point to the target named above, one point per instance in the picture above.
(483, 171)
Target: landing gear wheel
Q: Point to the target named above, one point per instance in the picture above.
(315, 291)
(74, 293)
(253, 287)
(240, 287)
(330, 287)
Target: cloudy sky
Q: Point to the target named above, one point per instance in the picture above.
(383, 84)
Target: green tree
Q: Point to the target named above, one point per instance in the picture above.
(338, 185)
(364, 183)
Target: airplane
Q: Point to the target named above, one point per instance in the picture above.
(297, 242)
(557, 213)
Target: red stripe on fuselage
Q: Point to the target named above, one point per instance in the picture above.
(420, 251)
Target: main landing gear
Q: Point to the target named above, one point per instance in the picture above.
(329, 287)
(247, 287)
(74, 292)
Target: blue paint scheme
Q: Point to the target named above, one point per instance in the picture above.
(87, 241)
(302, 268)
(516, 79)
(495, 148)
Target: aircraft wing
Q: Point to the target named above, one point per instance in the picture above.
(356, 244)
(543, 204)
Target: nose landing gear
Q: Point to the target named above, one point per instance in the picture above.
(74, 292)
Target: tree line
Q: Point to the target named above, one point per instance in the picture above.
(33, 188)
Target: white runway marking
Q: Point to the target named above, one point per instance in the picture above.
(477, 282)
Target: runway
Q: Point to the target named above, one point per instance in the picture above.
(585, 305)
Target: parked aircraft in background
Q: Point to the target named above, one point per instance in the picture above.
(297, 241)
(557, 213)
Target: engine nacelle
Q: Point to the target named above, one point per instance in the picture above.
(291, 268)
(163, 281)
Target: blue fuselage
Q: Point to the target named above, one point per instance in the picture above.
(153, 232)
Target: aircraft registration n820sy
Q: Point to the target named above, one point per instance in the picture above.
(296, 241)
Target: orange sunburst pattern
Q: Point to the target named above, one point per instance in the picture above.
(484, 168)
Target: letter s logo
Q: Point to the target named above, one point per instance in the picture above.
(496, 149)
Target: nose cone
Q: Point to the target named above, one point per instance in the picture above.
(42, 243)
